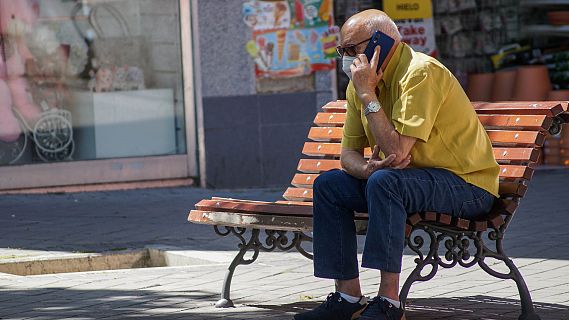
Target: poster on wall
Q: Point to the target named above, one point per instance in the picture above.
(415, 22)
(291, 37)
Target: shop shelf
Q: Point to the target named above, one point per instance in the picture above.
(560, 31)
(537, 3)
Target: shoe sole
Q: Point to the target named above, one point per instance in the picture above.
(359, 313)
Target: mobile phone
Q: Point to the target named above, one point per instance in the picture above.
(384, 41)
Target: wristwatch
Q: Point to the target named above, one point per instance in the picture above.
(373, 106)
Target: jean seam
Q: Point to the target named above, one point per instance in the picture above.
(341, 239)
(390, 231)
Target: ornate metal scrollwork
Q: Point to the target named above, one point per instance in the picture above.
(275, 239)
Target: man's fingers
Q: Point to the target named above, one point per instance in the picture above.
(375, 153)
(375, 58)
(403, 164)
(362, 58)
(353, 68)
(387, 161)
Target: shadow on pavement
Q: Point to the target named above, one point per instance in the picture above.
(59, 303)
(465, 308)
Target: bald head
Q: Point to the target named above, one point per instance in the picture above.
(362, 26)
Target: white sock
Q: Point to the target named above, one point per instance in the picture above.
(395, 303)
(352, 299)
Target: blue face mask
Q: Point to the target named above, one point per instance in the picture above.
(346, 63)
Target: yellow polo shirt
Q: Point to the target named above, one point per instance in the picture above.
(424, 100)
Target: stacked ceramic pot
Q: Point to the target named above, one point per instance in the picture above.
(526, 83)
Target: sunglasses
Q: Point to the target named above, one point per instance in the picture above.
(349, 50)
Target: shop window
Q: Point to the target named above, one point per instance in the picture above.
(85, 82)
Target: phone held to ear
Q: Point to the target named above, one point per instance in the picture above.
(384, 41)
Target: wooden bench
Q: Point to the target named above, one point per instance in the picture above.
(517, 131)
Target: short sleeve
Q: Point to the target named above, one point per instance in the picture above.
(415, 112)
(354, 136)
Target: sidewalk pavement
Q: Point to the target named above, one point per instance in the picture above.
(274, 287)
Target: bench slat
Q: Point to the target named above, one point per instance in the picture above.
(250, 220)
(519, 138)
(518, 122)
(518, 189)
(548, 108)
(322, 165)
(327, 149)
(324, 119)
(298, 203)
(335, 106)
(253, 207)
(498, 137)
(536, 122)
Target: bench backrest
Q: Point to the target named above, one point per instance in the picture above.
(517, 131)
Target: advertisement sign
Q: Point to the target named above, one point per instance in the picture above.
(415, 22)
(291, 37)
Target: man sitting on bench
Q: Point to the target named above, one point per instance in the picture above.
(438, 158)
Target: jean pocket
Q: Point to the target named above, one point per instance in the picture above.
(479, 206)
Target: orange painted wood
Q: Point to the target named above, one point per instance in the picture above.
(335, 106)
(251, 220)
(324, 119)
(527, 138)
(548, 108)
(529, 122)
(461, 223)
(518, 189)
(498, 137)
(317, 166)
(516, 172)
(516, 154)
(298, 194)
(298, 203)
(325, 134)
(322, 165)
(478, 225)
(445, 219)
(414, 219)
(495, 220)
(505, 206)
(303, 180)
(328, 149)
(253, 207)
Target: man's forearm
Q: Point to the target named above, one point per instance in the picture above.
(353, 163)
(386, 137)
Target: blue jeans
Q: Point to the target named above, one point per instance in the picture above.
(388, 196)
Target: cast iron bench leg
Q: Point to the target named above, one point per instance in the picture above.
(457, 245)
(275, 240)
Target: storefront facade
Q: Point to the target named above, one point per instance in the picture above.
(96, 93)
(128, 91)
(144, 90)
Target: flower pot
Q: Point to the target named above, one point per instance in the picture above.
(558, 18)
(480, 86)
(532, 84)
(503, 88)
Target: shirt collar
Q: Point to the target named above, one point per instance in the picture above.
(389, 71)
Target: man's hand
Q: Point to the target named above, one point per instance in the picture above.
(375, 163)
(364, 75)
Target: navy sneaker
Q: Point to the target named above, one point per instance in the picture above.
(381, 309)
(334, 308)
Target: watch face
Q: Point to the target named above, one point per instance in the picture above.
(373, 107)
